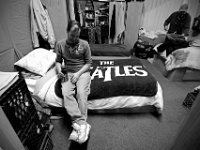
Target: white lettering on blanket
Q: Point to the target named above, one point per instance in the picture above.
(108, 67)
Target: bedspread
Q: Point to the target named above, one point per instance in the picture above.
(121, 77)
(185, 57)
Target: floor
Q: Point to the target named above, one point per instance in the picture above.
(62, 128)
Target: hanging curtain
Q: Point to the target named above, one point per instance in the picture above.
(117, 21)
(76, 11)
(133, 21)
(156, 11)
(70, 8)
(112, 22)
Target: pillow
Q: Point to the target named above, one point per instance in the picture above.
(37, 61)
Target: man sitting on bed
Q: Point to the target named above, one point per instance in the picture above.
(76, 79)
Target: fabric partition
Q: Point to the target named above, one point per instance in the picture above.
(134, 14)
(7, 59)
(15, 36)
(58, 13)
(70, 4)
(117, 13)
(156, 11)
(15, 28)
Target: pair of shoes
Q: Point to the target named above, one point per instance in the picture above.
(75, 133)
(84, 133)
(80, 133)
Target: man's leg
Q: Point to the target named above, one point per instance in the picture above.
(70, 103)
(83, 90)
(81, 128)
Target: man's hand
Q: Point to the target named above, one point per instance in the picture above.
(61, 76)
(74, 78)
(166, 28)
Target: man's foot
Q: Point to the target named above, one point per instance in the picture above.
(84, 133)
(75, 133)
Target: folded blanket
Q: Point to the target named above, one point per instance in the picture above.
(121, 77)
(184, 58)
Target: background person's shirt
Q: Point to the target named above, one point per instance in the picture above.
(177, 26)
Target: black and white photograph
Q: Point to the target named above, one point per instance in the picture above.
(99, 74)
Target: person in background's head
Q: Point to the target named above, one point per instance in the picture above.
(183, 7)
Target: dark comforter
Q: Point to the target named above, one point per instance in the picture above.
(109, 50)
(121, 77)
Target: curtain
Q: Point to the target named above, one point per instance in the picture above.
(117, 22)
(70, 4)
(133, 21)
(156, 11)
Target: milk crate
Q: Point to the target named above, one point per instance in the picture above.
(19, 108)
(40, 141)
(190, 98)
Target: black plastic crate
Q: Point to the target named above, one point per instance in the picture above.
(40, 141)
(19, 108)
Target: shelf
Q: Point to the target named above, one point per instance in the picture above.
(89, 20)
(89, 11)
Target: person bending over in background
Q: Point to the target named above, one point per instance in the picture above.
(177, 26)
(76, 79)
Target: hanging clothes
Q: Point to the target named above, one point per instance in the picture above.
(76, 11)
(70, 4)
(112, 24)
(120, 22)
(41, 24)
(80, 15)
(117, 23)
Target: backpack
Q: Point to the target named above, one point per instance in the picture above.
(196, 24)
(142, 49)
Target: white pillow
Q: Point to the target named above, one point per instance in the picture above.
(37, 61)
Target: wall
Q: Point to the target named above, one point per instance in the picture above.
(15, 34)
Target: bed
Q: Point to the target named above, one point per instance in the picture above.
(181, 62)
(124, 83)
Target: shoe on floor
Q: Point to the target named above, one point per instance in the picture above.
(75, 133)
(84, 133)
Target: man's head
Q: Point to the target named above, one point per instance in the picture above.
(183, 7)
(73, 31)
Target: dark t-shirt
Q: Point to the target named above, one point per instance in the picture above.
(179, 22)
(73, 58)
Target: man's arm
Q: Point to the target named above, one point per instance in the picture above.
(86, 67)
(167, 22)
(186, 28)
(58, 51)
